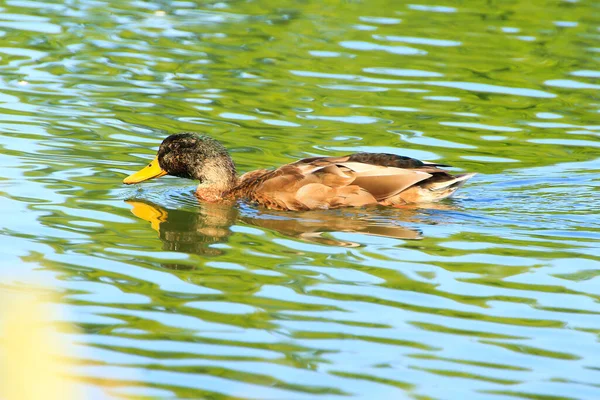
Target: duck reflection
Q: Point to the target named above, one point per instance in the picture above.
(186, 231)
(195, 231)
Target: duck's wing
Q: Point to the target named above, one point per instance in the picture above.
(304, 185)
(330, 182)
(386, 175)
(397, 180)
(383, 182)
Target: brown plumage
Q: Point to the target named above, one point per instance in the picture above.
(354, 180)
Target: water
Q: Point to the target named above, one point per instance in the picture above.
(491, 295)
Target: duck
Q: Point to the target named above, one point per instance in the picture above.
(354, 180)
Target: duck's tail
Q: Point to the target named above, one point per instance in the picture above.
(456, 182)
(432, 190)
(444, 189)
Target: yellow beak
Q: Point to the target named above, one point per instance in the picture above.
(153, 170)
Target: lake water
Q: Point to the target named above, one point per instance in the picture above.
(491, 295)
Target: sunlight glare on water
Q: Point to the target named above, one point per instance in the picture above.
(490, 295)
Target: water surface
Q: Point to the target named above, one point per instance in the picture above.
(491, 295)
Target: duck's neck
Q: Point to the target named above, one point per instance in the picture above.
(217, 176)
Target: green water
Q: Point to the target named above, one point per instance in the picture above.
(491, 295)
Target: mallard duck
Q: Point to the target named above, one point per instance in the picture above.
(355, 180)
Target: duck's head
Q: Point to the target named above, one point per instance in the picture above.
(192, 156)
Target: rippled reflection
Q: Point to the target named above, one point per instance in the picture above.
(194, 232)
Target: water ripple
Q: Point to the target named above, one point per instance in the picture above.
(492, 294)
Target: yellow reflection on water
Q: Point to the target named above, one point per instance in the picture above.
(34, 360)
